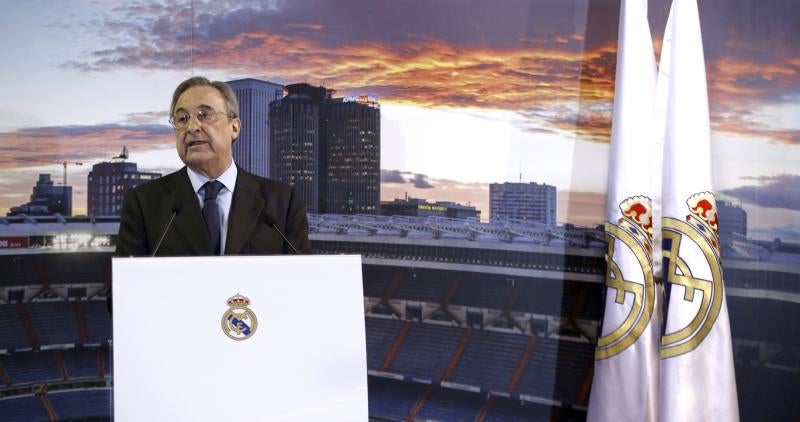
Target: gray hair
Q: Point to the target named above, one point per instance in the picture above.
(227, 93)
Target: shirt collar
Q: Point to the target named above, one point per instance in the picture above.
(227, 178)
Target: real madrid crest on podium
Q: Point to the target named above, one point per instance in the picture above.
(239, 322)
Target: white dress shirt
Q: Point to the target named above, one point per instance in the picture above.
(224, 198)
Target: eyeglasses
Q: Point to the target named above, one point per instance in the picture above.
(181, 119)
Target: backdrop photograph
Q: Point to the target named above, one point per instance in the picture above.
(461, 147)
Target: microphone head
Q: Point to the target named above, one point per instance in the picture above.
(177, 206)
(269, 219)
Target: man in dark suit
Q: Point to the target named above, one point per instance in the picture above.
(216, 208)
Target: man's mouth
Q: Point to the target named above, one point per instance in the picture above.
(195, 143)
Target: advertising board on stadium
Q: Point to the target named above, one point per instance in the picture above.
(13, 242)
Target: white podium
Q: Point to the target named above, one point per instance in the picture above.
(233, 338)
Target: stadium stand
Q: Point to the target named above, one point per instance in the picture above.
(54, 322)
(98, 321)
(763, 396)
(30, 367)
(556, 370)
(435, 342)
(489, 359)
(381, 333)
(26, 408)
(12, 332)
(445, 404)
(511, 410)
(392, 399)
(81, 404)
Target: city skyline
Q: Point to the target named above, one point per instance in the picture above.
(477, 98)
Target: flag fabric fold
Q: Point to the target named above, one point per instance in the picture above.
(624, 387)
(697, 381)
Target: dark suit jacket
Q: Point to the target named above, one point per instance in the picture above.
(147, 209)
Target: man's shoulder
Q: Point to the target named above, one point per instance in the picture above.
(265, 184)
(163, 182)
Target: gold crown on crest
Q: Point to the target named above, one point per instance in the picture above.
(238, 301)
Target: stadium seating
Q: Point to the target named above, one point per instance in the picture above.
(392, 399)
(510, 410)
(27, 408)
(98, 321)
(81, 404)
(451, 405)
(31, 367)
(767, 394)
(426, 350)
(12, 332)
(489, 359)
(82, 363)
(54, 322)
(381, 333)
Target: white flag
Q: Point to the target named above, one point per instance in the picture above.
(697, 373)
(625, 383)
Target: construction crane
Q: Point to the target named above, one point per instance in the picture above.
(64, 164)
(122, 156)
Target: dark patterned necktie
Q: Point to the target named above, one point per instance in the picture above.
(211, 214)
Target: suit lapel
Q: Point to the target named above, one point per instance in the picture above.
(189, 220)
(245, 212)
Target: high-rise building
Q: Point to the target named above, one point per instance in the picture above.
(530, 202)
(296, 154)
(46, 199)
(732, 219)
(251, 150)
(353, 157)
(327, 148)
(109, 181)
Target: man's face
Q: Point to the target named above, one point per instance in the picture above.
(205, 147)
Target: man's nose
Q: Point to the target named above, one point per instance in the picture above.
(194, 124)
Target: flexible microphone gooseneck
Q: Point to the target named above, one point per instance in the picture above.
(270, 220)
(176, 208)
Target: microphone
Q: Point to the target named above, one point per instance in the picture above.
(176, 208)
(274, 224)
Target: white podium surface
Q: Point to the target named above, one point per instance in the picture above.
(305, 361)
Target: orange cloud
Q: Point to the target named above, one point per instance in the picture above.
(51, 145)
(436, 73)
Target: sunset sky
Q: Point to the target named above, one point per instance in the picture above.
(471, 92)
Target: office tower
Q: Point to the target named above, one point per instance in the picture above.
(107, 184)
(732, 219)
(353, 157)
(251, 149)
(46, 199)
(529, 202)
(328, 149)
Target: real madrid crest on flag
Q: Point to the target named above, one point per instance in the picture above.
(239, 322)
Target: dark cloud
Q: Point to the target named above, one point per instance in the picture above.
(782, 191)
(420, 181)
(393, 176)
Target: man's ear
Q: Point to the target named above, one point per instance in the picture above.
(236, 128)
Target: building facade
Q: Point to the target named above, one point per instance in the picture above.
(46, 199)
(419, 207)
(732, 219)
(107, 184)
(251, 150)
(529, 202)
(353, 157)
(328, 149)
